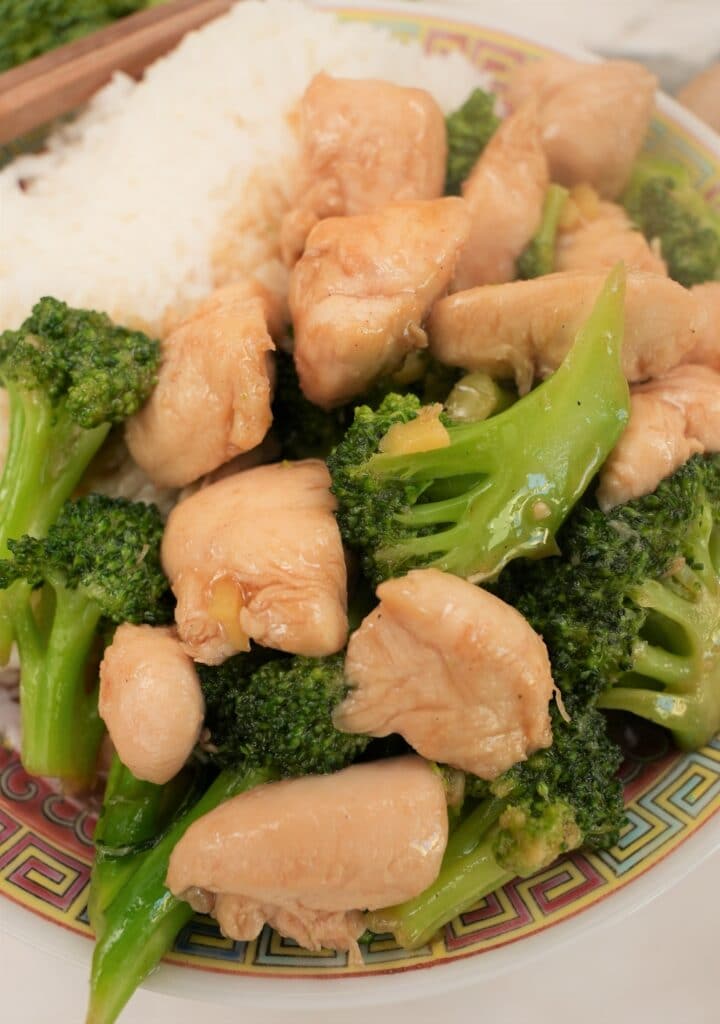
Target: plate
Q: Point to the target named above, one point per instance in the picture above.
(673, 800)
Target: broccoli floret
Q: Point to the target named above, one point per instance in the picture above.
(69, 374)
(99, 562)
(631, 612)
(499, 489)
(279, 714)
(665, 206)
(29, 28)
(558, 800)
(539, 256)
(469, 129)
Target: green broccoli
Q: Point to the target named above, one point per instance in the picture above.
(475, 397)
(665, 205)
(631, 612)
(558, 800)
(501, 487)
(269, 715)
(469, 129)
(539, 256)
(69, 374)
(99, 561)
(29, 28)
(292, 697)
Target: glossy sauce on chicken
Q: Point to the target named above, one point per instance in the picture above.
(258, 556)
(308, 855)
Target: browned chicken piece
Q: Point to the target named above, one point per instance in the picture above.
(308, 855)
(364, 143)
(258, 556)
(702, 95)
(212, 399)
(596, 234)
(524, 329)
(706, 349)
(593, 118)
(671, 419)
(454, 670)
(150, 700)
(505, 194)
(363, 288)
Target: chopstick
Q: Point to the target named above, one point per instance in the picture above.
(59, 81)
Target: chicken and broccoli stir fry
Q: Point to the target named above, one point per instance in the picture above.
(423, 532)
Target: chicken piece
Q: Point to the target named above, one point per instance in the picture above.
(593, 118)
(536, 79)
(150, 700)
(671, 419)
(599, 235)
(526, 328)
(706, 349)
(212, 399)
(364, 143)
(452, 668)
(702, 95)
(307, 855)
(505, 194)
(258, 556)
(363, 288)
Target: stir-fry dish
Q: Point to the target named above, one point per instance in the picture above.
(430, 512)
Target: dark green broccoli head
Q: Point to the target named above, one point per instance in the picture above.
(101, 372)
(28, 28)
(469, 129)
(664, 204)
(631, 612)
(561, 798)
(279, 714)
(107, 548)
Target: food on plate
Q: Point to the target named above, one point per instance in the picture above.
(350, 567)
(631, 612)
(559, 799)
(597, 233)
(258, 556)
(361, 292)
(150, 701)
(469, 129)
(671, 418)
(98, 564)
(490, 491)
(524, 329)
(364, 143)
(295, 853)
(539, 255)
(706, 348)
(217, 373)
(504, 194)
(593, 118)
(451, 668)
(662, 201)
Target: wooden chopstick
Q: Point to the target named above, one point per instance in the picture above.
(59, 81)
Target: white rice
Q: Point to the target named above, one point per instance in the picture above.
(123, 211)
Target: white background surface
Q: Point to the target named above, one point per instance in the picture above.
(659, 965)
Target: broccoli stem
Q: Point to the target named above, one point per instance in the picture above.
(523, 470)
(47, 456)
(144, 919)
(61, 727)
(539, 256)
(134, 815)
(469, 871)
